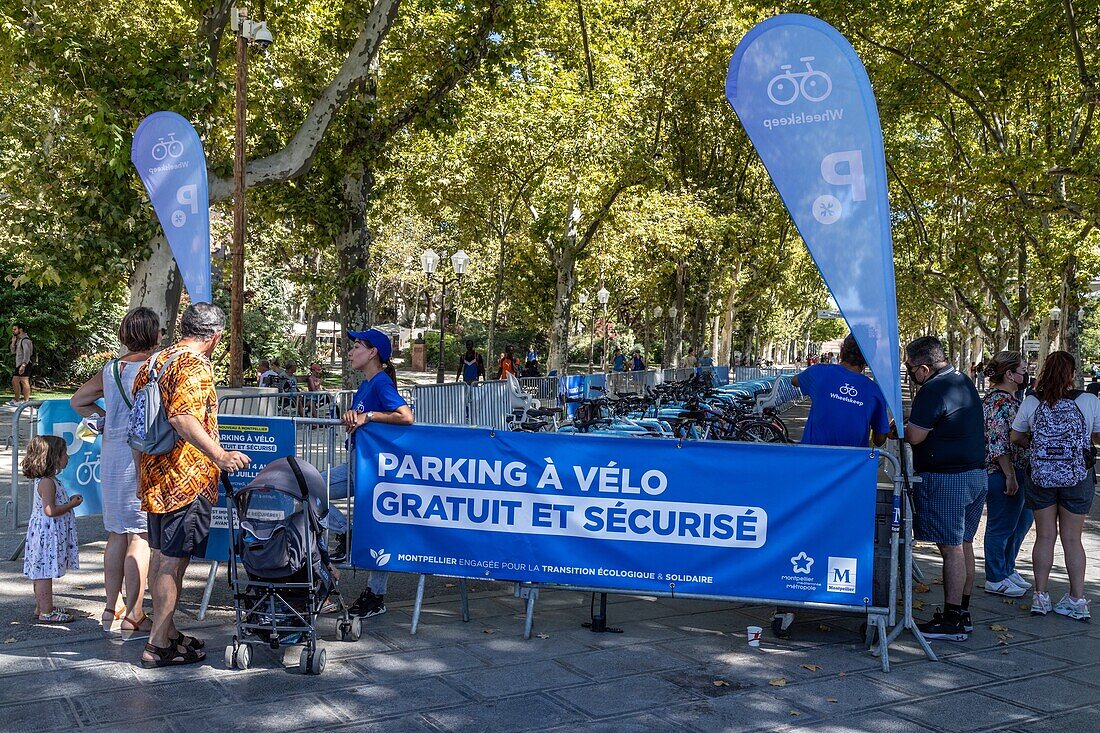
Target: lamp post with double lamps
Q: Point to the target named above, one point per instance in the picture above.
(248, 31)
(583, 300)
(429, 262)
(657, 313)
(674, 363)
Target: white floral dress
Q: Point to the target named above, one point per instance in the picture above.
(51, 541)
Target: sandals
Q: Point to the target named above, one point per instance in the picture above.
(109, 616)
(188, 641)
(129, 629)
(56, 616)
(169, 657)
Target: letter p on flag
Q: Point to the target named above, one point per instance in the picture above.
(830, 171)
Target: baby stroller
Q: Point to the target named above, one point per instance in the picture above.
(278, 538)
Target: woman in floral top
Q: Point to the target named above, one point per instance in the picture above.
(1007, 519)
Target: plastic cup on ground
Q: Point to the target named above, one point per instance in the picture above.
(754, 633)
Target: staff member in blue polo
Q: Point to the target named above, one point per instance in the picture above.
(847, 409)
(376, 400)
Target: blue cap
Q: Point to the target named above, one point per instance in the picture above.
(375, 338)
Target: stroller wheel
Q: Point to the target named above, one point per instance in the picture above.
(244, 656)
(304, 660)
(230, 656)
(312, 662)
(317, 665)
(341, 630)
(355, 630)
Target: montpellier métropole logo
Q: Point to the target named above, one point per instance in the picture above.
(802, 563)
(380, 556)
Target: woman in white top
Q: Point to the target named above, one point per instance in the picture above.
(1060, 425)
(126, 557)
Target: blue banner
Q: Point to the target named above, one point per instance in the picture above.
(804, 98)
(81, 476)
(170, 161)
(633, 514)
(263, 439)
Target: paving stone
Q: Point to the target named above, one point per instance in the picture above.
(516, 679)
(432, 635)
(47, 715)
(21, 662)
(67, 682)
(496, 649)
(1018, 662)
(294, 713)
(277, 678)
(530, 712)
(1074, 648)
(632, 724)
(728, 622)
(159, 725)
(398, 666)
(877, 721)
(633, 632)
(742, 712)
(94, 652)
(1078, 721)
(149, 701)
(927, 678)
(963, 712)
(616, 698)
(851, 693)
(377, 701)
(610, 663)
(1046, 693)
(408, 724)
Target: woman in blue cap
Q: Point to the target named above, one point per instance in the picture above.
(376, 400)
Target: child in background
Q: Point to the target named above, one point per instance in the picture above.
(51, 532)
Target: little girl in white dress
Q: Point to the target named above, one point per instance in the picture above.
(51, 532)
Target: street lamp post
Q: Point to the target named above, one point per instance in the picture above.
(429, 262)
(603, 296)
(248, 31)
(673, 311)
(657, 313)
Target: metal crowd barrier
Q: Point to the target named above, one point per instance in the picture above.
(630, 382)
(677, 375)
(321, 404)
(441, 404)
(542, 388)
(781, 396)
(24, 426)
(489, 404)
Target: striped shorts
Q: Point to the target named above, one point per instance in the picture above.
(947, 507)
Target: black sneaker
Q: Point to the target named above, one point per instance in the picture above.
(368, 605)
(967, 622)
(339, 551)
(945, 627)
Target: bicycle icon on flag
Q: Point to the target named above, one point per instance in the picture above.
(172, 147)
(812, 84)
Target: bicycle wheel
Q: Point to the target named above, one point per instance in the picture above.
(759, 431)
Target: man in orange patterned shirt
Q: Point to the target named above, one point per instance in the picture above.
(179, 488)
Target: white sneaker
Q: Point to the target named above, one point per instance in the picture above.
(1078, 610)
(1018, 579)
(1040, 604)
(1004, 588)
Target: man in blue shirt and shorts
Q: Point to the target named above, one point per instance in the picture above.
(376, 400)
(847, 409)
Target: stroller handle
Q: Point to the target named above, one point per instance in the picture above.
(226, 484)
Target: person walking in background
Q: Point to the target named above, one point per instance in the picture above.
(471, 367)
(947, 432)
(690, 362)
(532, 355)
(265, 373)
(1007, 519)
(1059, 425)
(508, 364)
(637, 364)
(618, 363)
(51, 547)
(178, 488)
(126, 556)
(23, 348)
(980, 376)
(376, 400)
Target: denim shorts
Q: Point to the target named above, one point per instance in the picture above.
(947, 507)
(1075, 499)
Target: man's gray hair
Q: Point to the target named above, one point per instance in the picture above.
(925, 350)
(202, 321)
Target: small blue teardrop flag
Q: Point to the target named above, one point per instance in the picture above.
(804, 98)
(170, 161)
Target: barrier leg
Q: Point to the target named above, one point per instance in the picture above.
(529, 621)
(210, 578)
(464, 593)
(419, 603)
(18, 551)
(883, 644)
(907, 621)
